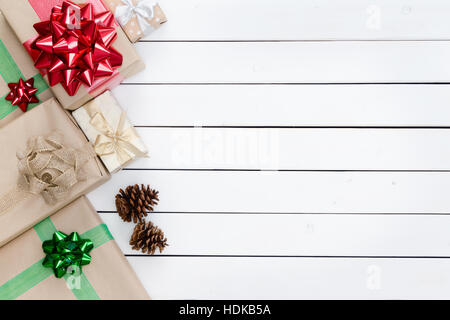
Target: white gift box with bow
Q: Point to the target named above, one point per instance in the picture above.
(138, 18)
(107, 127)
(143, 11)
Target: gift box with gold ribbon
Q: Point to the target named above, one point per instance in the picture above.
(71, 255)
(46, 163)
(15, 65)
(77, 46)
(138, 18)
(107, 127)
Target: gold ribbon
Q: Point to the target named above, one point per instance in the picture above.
(115, 141)
(48, 168)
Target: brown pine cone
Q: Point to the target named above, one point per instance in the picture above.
(148, 237)
(135, 202)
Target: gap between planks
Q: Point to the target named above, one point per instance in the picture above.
(294, 213)
(158, 255)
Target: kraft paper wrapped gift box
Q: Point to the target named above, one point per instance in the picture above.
(138, 18)
(107, 276)
(15, 64)
(23, 14)
(107, 127)
(46, 163)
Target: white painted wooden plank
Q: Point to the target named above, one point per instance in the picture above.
(293, 105)
(293, 278)
(294, 234)
(294, 62)
(295, 149)
(270, 191)
(303, 20)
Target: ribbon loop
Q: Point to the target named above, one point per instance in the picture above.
(115, 141)
(143, 12)
(49, 168)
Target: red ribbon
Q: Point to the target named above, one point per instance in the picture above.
(74, 46)
(22, 93)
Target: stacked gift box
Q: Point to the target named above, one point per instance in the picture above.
(15, 64)
(107, 276)
(62, 134)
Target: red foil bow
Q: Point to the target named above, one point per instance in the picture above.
(22, 93)
(74, 46)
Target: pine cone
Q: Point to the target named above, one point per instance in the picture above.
(135, 202)
(148, 237)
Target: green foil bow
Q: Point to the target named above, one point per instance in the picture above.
(65, 250)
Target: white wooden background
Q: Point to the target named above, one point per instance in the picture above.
(301, 149)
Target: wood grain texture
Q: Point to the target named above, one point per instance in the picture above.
(294, 62)
(303, 20)
(294, 234)
(293, 278)
(295, 149)
(291, 192)
(349, 100)
(281, 105)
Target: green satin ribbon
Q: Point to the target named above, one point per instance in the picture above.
(10, 72)
(36, 273)
(64, 251)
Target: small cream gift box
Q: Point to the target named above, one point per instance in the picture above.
(138, 18)
(107, 127)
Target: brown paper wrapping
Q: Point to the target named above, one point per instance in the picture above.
(18, 11)
(42, 120)
(25, 64)
(132, 28)
(109, 272)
